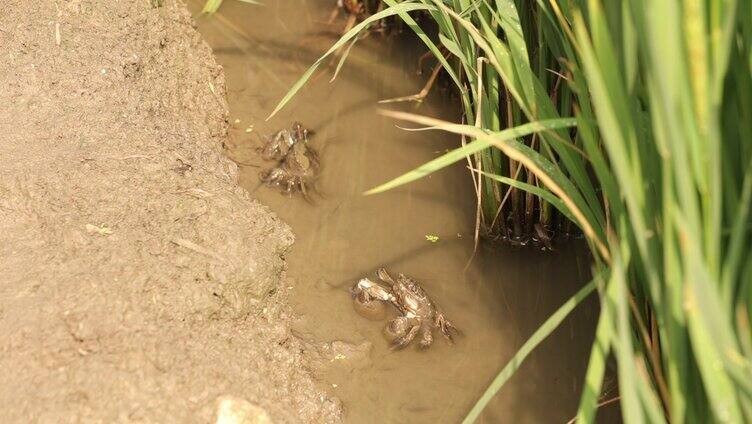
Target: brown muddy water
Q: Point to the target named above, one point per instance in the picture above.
(497, 302)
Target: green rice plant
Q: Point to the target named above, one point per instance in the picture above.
(503, 84)
(498, 92)
(633, 120)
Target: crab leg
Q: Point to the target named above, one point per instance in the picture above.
(446, 326)
(426, 336)
(405, 340)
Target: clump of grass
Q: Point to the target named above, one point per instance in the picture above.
(506, 82)
(632, 120)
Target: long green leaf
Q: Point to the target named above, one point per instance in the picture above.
(469, 149)
(597, 365)
(538, 191)
(548, 327)
(549, 174)
(390, 11)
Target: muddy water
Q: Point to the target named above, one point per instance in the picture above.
(497, 301)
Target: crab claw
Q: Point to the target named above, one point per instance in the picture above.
(365, 290)
(384, 276)
(361, 287)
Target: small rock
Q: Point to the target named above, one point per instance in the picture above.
(233, 410)
(340, 350)
(102, 230)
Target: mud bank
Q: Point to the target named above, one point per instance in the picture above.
(138, 282)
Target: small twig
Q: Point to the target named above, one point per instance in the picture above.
(479, 191)
(655, 361)
(133, 157)
(425, 56)
(559, 74)
(423, 92)
(352, 19)
(604, 403)
(333, 16)
(58, 37)
(196, 248)
(416, 129)
(478, 181)
(195, 192)
(506, 196)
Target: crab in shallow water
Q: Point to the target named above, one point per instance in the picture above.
(278, 145)
(297, 162)
(419, 315)
(295, 172)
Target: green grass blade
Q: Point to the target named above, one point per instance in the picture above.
(596, 365)
(343, 58)
(548, 327)
(709, 327)
(413, 25)
(538, 191)
(390, 11)
(453, 48)
(211, 6)
(548, 173)
(739, 234)
(605, 95)
(616, 297)
(469, 149)
(510, 23)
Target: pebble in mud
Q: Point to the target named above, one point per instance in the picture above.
(355, 352)
(345, 356)
(351, 354)
(233, 410)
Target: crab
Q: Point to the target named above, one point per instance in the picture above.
(295, 172)
(418, 314)
(278, 145)
(297, 162)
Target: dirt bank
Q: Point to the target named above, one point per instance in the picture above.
(137, 281)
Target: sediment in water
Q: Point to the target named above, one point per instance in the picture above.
(137, 280)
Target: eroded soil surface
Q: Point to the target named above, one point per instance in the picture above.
(137, 281)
